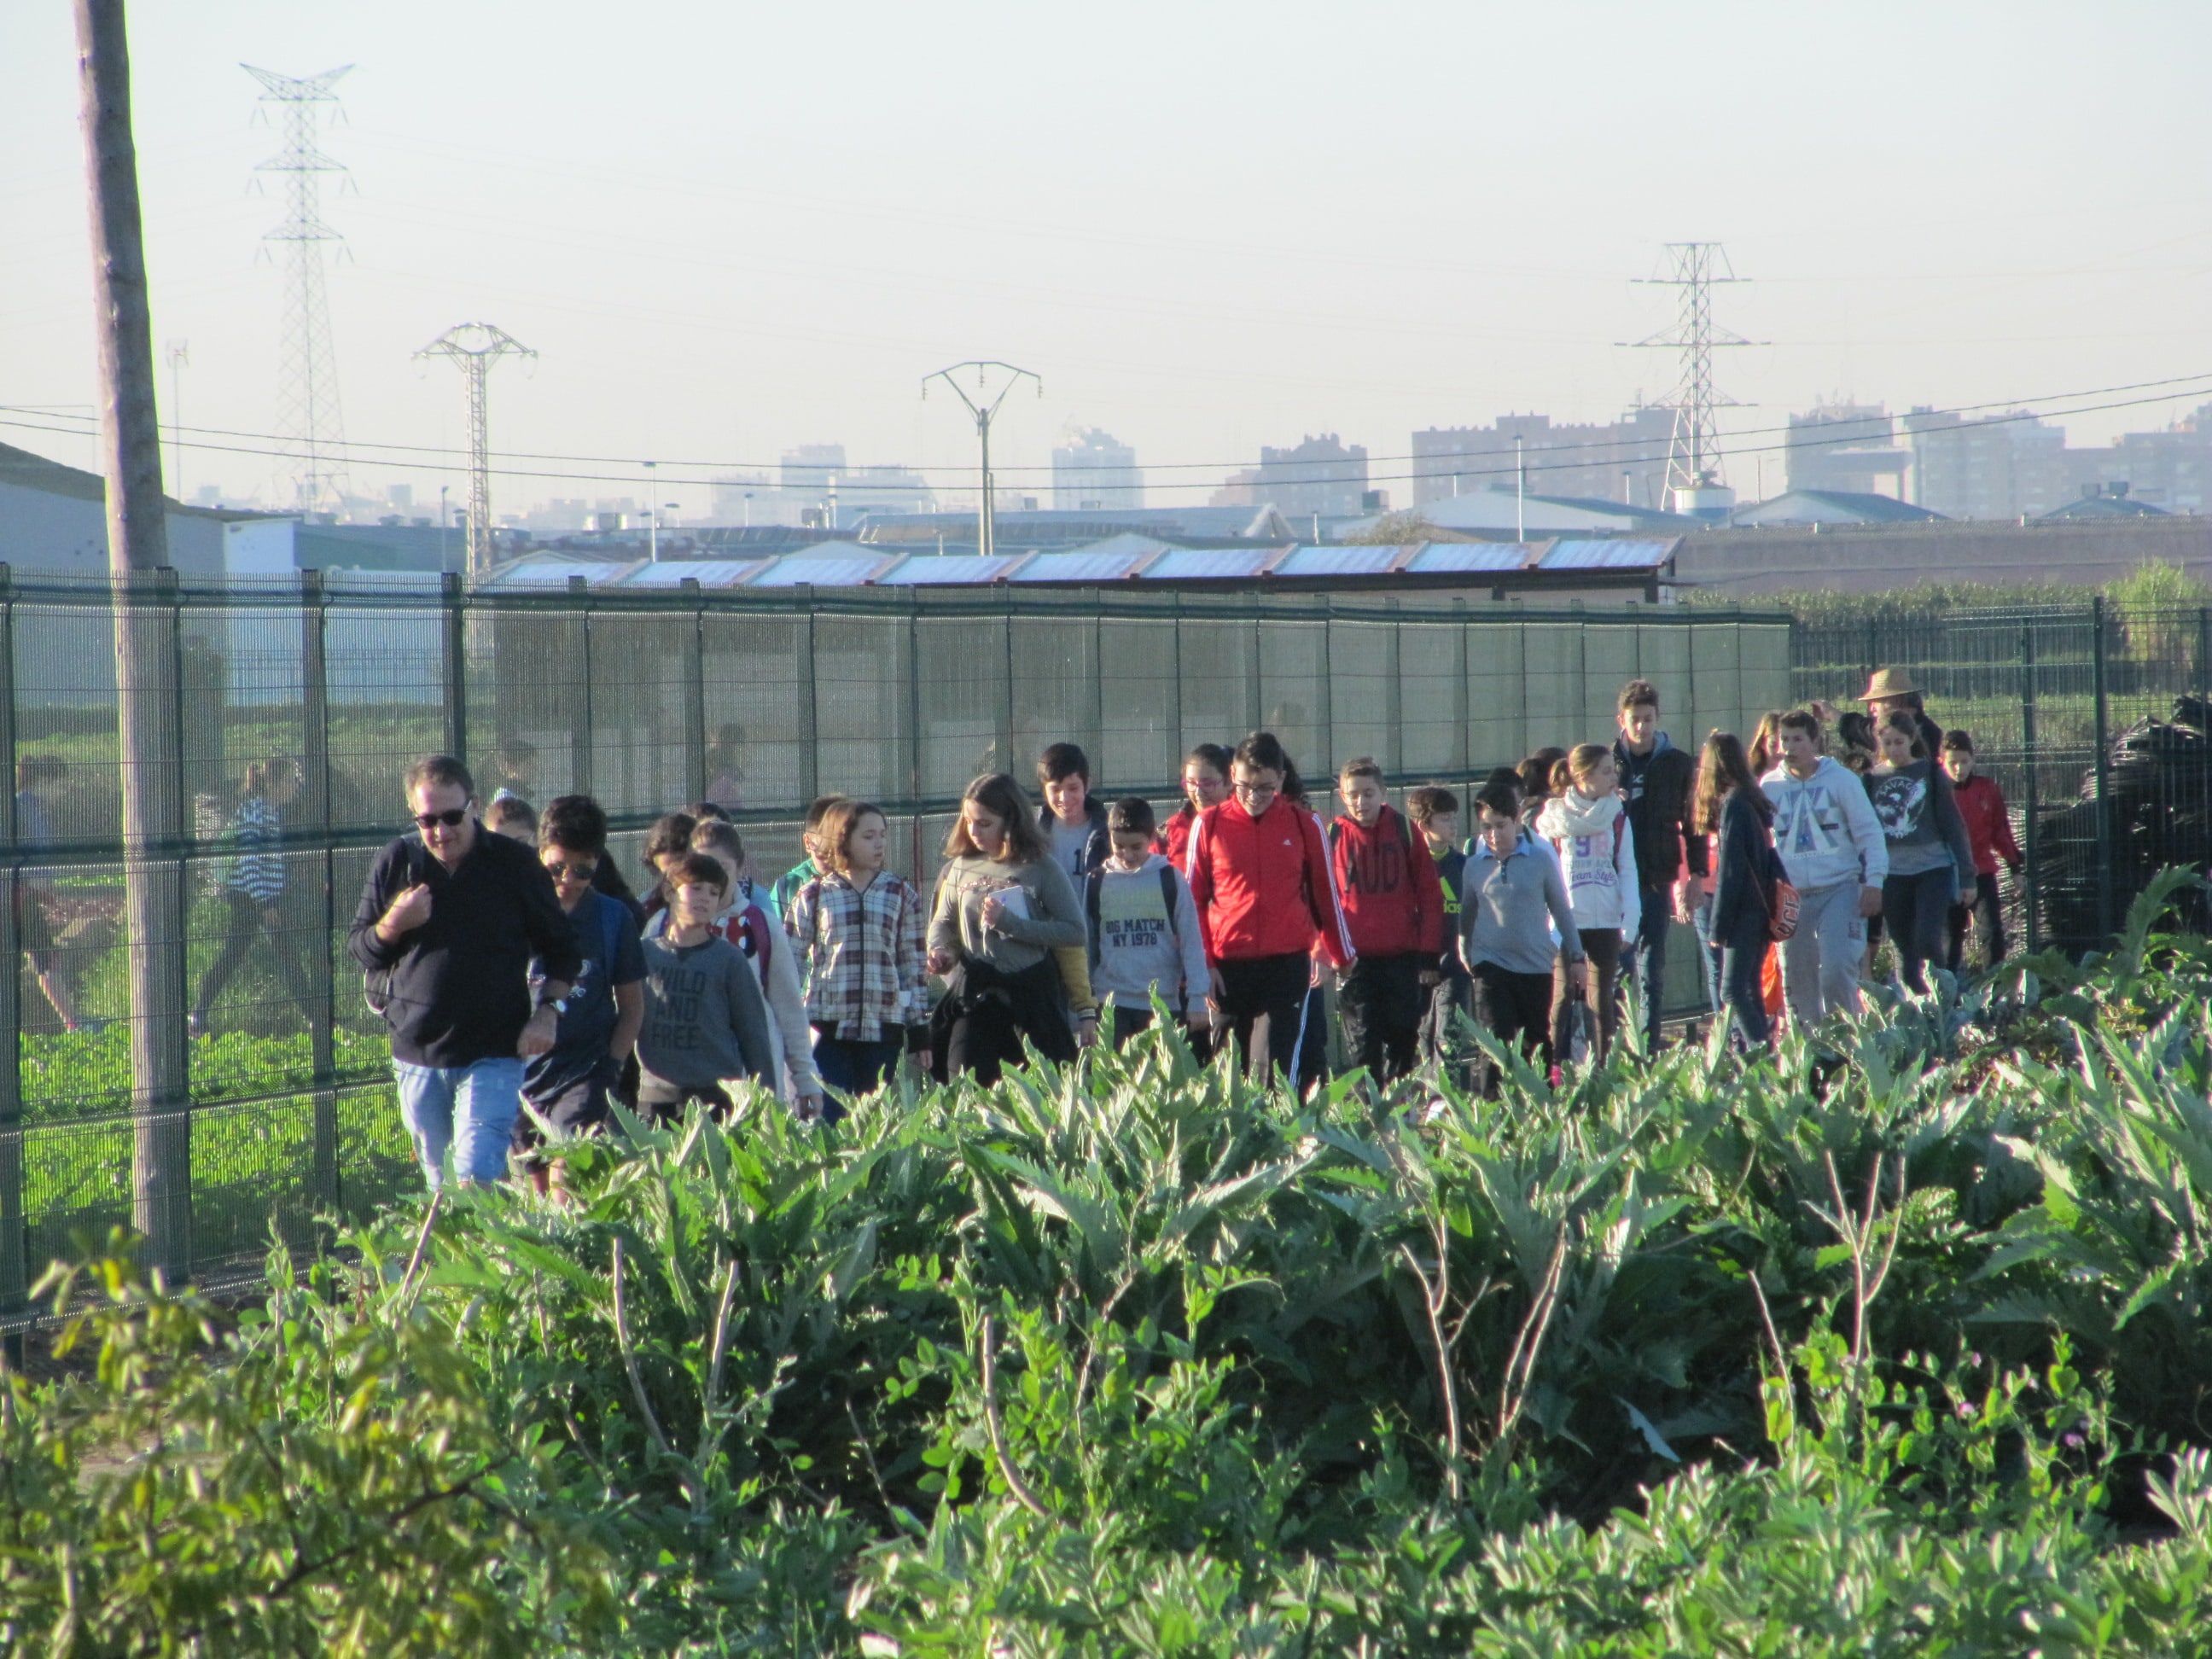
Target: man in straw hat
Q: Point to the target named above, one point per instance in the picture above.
(1893, 687)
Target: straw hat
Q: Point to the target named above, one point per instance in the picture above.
(1889, 682)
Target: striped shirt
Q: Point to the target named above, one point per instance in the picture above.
(860, 952)
(257, 869)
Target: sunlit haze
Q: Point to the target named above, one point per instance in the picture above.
(731, 230)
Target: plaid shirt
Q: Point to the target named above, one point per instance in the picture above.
(861, 954)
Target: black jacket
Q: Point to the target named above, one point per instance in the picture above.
(460, 984)
(1659, 813)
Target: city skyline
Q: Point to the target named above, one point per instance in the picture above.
(730, 277)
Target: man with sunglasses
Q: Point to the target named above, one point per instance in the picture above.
(449, 922)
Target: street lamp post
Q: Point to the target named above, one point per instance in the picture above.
(984, 414)
(652, 516)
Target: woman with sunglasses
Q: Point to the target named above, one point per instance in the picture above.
(1259, 873)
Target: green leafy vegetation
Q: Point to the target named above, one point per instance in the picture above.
(1898, 1344)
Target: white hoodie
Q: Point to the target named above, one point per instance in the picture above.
(1825, 828)
(1597, 856)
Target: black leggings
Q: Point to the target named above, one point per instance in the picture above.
(1916, 909)
(246, 921)
(1985, 910)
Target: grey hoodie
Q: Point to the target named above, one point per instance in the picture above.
(1138, 944)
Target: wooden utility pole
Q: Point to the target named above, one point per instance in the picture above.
(146, 696)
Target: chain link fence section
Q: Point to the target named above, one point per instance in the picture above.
(2092, 721)
(329, 685)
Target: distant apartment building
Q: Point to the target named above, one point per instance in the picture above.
(1090, 471)
(1623, 460)
(2015, 466)
(1847, 447)
(2000, 467)
(814, 484)
(1317, 476)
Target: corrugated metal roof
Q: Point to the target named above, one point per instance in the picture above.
(555, 573)
(1211, 563)
(948, 569)
(1318, 560)
(1099, 563)
(1451, 558)
(1611, 553)
(708, 573)
(822, 570)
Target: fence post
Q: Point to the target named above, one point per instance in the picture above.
(1007, 762)
(2204, 650)
(695, 688)
(2032, 805)
(455, 666)
(1255, 716)
(810, 767)
(1462, 757)
(1095, 679)
(315, 763)
(15, 1237)
(1182, 734)
(1325, 710)
(2104, 762)
(582, 738)
(1394, 692)
(913, 724)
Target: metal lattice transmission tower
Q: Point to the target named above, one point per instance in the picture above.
(308, 412)
(1693, 456)
(474, 347)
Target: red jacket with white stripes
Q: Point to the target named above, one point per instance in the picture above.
(1262, 884)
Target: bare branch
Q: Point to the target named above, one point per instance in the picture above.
(421, 1242)
(1021, 1489)
(629, 1363)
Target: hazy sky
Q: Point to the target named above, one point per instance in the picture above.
(730, 229)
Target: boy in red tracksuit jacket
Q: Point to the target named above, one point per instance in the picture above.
(1989, 832)
(1259, 874)
(1393, 910)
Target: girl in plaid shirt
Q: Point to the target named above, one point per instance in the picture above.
(858, 930)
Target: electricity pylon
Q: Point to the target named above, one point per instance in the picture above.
(1693, 456)
(474, 347)
(985, 413)
(308, 412)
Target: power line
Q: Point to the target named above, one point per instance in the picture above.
(2201, 382)
(2204, 386)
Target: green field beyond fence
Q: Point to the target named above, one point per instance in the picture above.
(645, 701)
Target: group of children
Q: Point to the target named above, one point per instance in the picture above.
(1058, 925)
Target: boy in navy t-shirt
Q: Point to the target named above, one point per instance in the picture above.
(570, 1083)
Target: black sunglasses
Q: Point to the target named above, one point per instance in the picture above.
(451, 818)
(582, 869)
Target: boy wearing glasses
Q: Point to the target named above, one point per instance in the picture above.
(449, 922)
(597, 1022)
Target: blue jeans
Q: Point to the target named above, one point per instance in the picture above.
(1741, 963)
(850, 1068)
(470, 1109)
(1650, 970)
(1709, 956)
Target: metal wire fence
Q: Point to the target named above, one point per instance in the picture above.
(646, 701)
(2091, 720)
